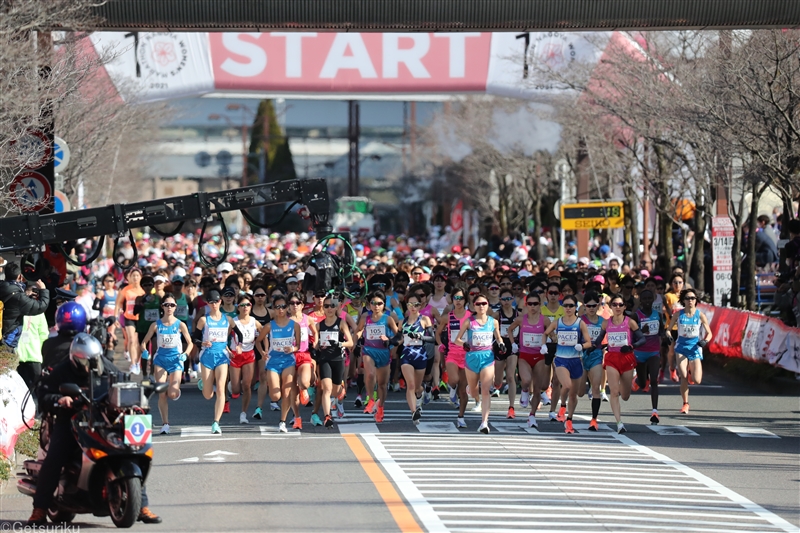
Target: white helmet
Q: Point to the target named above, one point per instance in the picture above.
(85, 352)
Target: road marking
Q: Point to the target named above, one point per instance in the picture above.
(401, 514)
(512, 427)
(751, 432)
(511, 482)
(216, 459)
(437, 427)
(673, 430)
(219, 452)
(273, 431)
(190, 460)
(359, 429)
(197, 431)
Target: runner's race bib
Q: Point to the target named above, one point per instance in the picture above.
(531, 340)
(108, 311)
(690, 331)
(454, 335)
(277, 345)
(151, 315)
(325, 337)
(182, 312)
(408, 341)
(567, 338)
(617, 339)
(594, 332)
(650, 327)
(170, 340)
(374, 333)
(129, 304)
(481, 339)
(303, 334)
(504, 330)
(217, 334)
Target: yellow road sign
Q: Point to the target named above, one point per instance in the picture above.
(592, 215)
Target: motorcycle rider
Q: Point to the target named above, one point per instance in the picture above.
(85, 351)
(71, 320)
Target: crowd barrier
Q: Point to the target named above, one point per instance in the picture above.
(753, 337)
(15, 411)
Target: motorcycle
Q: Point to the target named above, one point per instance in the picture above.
(112, 429)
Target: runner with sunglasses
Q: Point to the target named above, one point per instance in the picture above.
(554, 311)
(672, 307)
(333, 338)
(480, 330)
(213, 331)
(622, 334)
(690, 343)
(417, 330)
(572, 337)
(303, 362)
(455, 356)
(375, 327)
(261, 313)
(284, 341)
(506, 361)
(534, 374)
(593, 359)
(168, 358)
(243, 358)
(648, 356)
(493, 291)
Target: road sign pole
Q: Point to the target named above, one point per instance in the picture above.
(582, 194)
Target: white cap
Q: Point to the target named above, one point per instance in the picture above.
(225, 266)
(291, 280)
(161, 279)
(179, 271)
(197, 271)
(301, 276)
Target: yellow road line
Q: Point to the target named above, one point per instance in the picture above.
(400, 511)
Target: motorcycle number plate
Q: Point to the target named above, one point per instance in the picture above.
(138, 430)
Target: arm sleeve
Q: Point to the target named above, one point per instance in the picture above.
(428, 335)
(237, 334)
(197, 336)
(638, 338)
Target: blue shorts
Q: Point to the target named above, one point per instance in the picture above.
(477, 361)
(573, 364)
(417, 361)
(213, 359)
(378, 355)
(168, 361)
(592, 359)
(690, 354)
(278, 364)
(642, 357)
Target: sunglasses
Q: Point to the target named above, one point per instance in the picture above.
(379, 284)
(245, 304)
(108, 281)
(260, 295)
(213, 302)
(567, 306)
(590, 306)
(458, 298)
(414, 304)
(295, 302)
(420, 295)
(617, 305)
(376, 303)
(481, 304)
(474, 293)
(225, 272)
(228, 295)
(690, 298)
(507, 299)
(533, 304)
(329, 306)
(281, 306)
(416, 273)
(495, 288)
(169, 306)
(551, 293)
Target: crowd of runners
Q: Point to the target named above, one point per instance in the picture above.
(445, 327)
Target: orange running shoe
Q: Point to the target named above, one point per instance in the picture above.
(549, 391)
(568, 427)
(647, 386)
(654, 420)
(227, 408)
(304, 397)
(510, 413)
(342, 393)
(562, 414)
(402, 383)
(634, 385)
(370, 407)
(685, 409)
(444, 377)
(673, 375)
(298, 423)
(689, 378)
(593, 425)
(379, 414)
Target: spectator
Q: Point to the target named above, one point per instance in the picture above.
(29, 349)
(16, 305)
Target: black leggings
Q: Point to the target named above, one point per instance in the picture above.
(333, 370)
(649, 370)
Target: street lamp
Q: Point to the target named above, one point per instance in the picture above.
(218, 116)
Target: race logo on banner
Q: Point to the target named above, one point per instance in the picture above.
(772, 340)
(790, 358)
(752, 333)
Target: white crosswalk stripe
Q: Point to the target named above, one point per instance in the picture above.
(551, 482)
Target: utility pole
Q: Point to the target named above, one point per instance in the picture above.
(353, 133)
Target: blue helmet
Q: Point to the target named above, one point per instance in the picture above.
(71, 316)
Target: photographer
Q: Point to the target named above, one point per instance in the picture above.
(16, 305)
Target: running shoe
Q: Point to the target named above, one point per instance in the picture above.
(524, 398)
(454, 396)
(185, 378)
(304, 397)
(589, 392)
(419, 401)
(646, 386)
(164, 430)
(375, 395)
(370, 408)
(135, 369)
(477, 408)
(461, 423)
(568, 427)
(505, 389)
(273, 406)
(689, 378)
(673, 375)
(661, 376)
(484, 428)
(685, 409)
(282, 427)
(435, 393)
(634, 385)
(443, 382)
(545, 397)
(235, 396)
(200, 384)
(127, 356)
(298, 423)
(359, 402)
(379, 414)
(494, 393)
(604, 396)
(340, 409)
(342, 394)
(654, 420)
(426, 397)
(243, 418)
(328, 421)
(229, 388)
(395, 387)
(562, 414)
(193, 374)
(215, 429)
(401, 383)
(621, 428)
(227, 407)
(552, 416)
(510, 413)
(312, 393)
(315, 420)
(258, 413)
(593, 425)
(532, 423)
(416, 416)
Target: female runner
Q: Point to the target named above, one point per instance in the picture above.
(376, 327)
(440, 300)
(303, 363)
(333, 338)
(572, 338)
(126, 301)
(455, 358)
(689, 345)
(507, 362)
(534, 374)
(284, 340)
(413, 358)
(648, 356)
(480, 330)
(168, 359)
(213, 330)
(243, 360)
(593, 358)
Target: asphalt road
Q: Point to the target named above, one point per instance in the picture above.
(733, 464)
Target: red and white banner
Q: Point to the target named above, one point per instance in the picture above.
(168, 65)
(727, 326)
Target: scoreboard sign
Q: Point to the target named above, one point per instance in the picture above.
(593, 215)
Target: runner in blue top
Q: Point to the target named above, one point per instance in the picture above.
(593, 359)
(690, 343)
(284, 340)
(376, 327)
(648, 356)
(169, 357)
(417, 330)
(481, 330)
(213, 331)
